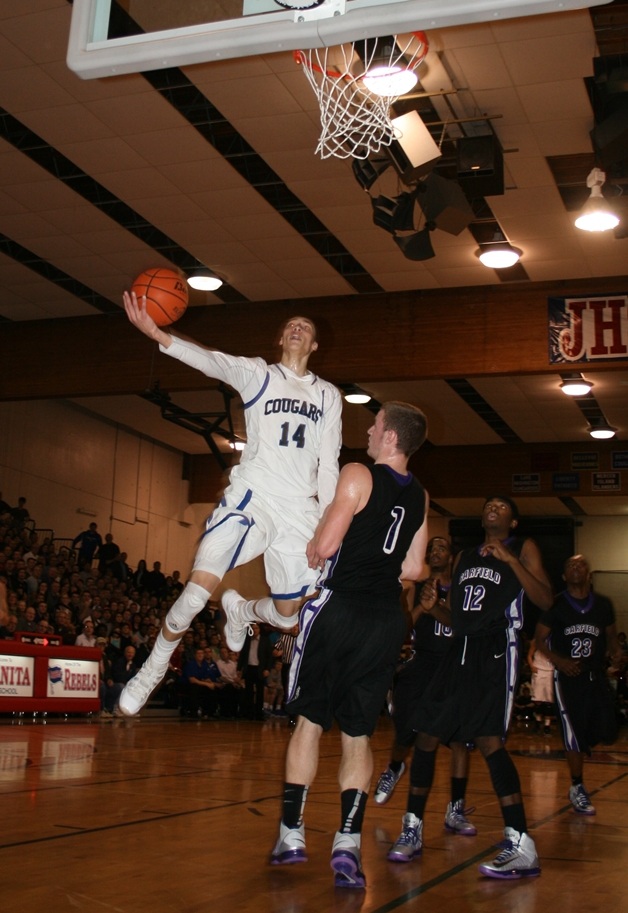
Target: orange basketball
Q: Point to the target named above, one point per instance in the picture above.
(166, 294)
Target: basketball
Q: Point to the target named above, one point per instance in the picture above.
(166, 294)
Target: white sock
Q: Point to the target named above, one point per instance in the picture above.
(159, 656)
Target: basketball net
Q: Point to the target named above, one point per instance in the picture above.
(355, 120)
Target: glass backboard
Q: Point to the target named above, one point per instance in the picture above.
(108, 38)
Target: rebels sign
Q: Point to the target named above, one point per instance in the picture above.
(72, 678)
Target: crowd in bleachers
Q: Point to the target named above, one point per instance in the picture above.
(84, 591)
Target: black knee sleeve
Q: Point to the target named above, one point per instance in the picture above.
(504, 776)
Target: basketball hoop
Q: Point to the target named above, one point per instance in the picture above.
(355, 84)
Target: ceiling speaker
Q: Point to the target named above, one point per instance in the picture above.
(610, 138)
(394, 213)
(444, 204)
(608, 88)
(480, 166)
(417, 246)
(413, 152)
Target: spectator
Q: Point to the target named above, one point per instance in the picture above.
(122, 671)
(174, 585)
(202, 682)
(173, 682)
(523, 707)
(33, 582)
(215, 643)
(189, 646)
(4, 608)
(42, 613)
(139, 577)
(144, 648)
(5, 510)
(120, 569)
(87, 637)
(64, 626)
(254, 663)
(27, 618)
(89, 541)
(107, 554)
(126, 636)
(541, 688)
(232, 683)
(155, 581)
(20, 514)
(273, 689)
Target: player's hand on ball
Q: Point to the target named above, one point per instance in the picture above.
(138, 315)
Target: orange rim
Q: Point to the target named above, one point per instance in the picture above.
(301, 59)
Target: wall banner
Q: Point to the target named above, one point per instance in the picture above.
(72, 678)
(16, 675)
(588, 329)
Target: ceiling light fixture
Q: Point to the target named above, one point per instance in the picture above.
(498, 254)
(596, 214)
(236, 444)
(356, 395)
(204, 280)
(576, 385)
(601, 430)
(388, 72)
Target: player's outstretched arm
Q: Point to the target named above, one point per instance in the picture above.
(239, 372)
(534, 579)
(329, 452)
(412, 566)
(352, 492)
(528, 569)
(136, 312)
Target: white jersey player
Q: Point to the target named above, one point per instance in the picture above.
(286, 476)
(292, 423)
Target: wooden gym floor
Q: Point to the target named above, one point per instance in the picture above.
(161, 814)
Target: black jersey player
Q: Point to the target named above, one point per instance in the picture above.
(471, 695)
(373, 532)
(577, 634)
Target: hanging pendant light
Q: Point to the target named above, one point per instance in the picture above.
(498, 253)
(601, 430)
(596, 214)
(204, 280)
(356, 395)
(576, 385)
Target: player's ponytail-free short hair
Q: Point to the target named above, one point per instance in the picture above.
(408, 422)
(302, 317)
